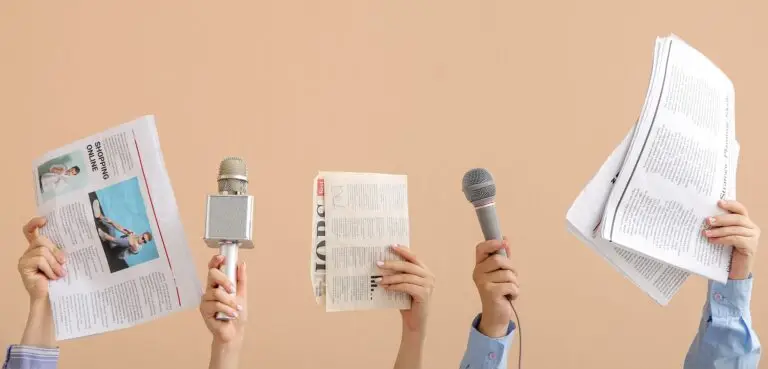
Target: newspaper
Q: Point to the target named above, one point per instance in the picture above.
(357, 217)
(644, 210)
(110, 207)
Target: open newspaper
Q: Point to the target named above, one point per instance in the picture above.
(110, 207)
(645, 208)
(356, 219)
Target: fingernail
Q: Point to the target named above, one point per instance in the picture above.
(377, 279)
(712, 220)
(707, 233)
(394, 246)
(234, 314)
(239, 307)
(380, 263)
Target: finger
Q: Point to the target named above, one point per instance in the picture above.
(728, 231)
(506, 289)
(496, 262)
(733, 206)
(38, 264)
(487, 248)
(501, 276)
(402, 267)
(730, 220)
(407, 254)
(43, 255)
(210, 308)
(54, 250)
(403, 278)
(418, 293)
(219, 295)
(216, 262)
(217, 278)
(31, 229)
(242, 279)
(739, 242)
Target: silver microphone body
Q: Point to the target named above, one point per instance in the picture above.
(229, 218)
(480, 190)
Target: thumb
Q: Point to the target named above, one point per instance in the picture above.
(242, 279)
(31, 229)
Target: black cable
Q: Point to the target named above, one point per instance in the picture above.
(520, 337)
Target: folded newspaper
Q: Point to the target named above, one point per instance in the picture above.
(645, 209)
(356, 218)
(110, 207)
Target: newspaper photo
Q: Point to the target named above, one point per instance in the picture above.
(359, 217)
(110, 207)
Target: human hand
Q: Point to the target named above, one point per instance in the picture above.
(215, 299)
(41, 263)
(738, 230)
(495, 279)
(414, 278)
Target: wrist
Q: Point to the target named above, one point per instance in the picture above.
(491, 326)
(40, 330)
(225, 355)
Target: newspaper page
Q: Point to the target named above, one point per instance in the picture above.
(318, 251)
(110, 207)
(677, 166)
(365, 213)
(658, 280)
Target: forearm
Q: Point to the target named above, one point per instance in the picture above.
(40, 331)
(224, 355)
(411, 349)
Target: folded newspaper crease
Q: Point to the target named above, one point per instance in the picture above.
(644, 210)
(356, 218)
(110, 206)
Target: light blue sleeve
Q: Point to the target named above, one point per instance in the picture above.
(726, 339)
(28, 357)
(484, 352)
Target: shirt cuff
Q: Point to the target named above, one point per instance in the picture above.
(23, 357)
(730, 300)
(483, 349)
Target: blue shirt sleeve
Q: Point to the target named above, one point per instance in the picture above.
(484, 352)
(726, 339)
(28, 357)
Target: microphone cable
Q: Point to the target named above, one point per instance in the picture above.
(519, 335)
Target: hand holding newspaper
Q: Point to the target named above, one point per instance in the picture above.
(110, 207)
(645, 208)
(356, 218)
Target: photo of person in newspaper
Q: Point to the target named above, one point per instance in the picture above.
(61, 175)
(122, 224)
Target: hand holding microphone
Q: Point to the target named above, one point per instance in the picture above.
(228, 218)
(494, 276)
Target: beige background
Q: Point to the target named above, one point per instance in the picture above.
(539, 92)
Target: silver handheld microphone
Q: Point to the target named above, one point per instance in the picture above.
(480, 190)
(229, 217)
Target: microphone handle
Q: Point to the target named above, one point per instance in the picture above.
(229, 268)
(489, 223)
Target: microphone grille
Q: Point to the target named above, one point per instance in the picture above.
(233, 175)
(478, 186)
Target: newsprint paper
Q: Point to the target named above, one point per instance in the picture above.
(110, 207)
(356, 219)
